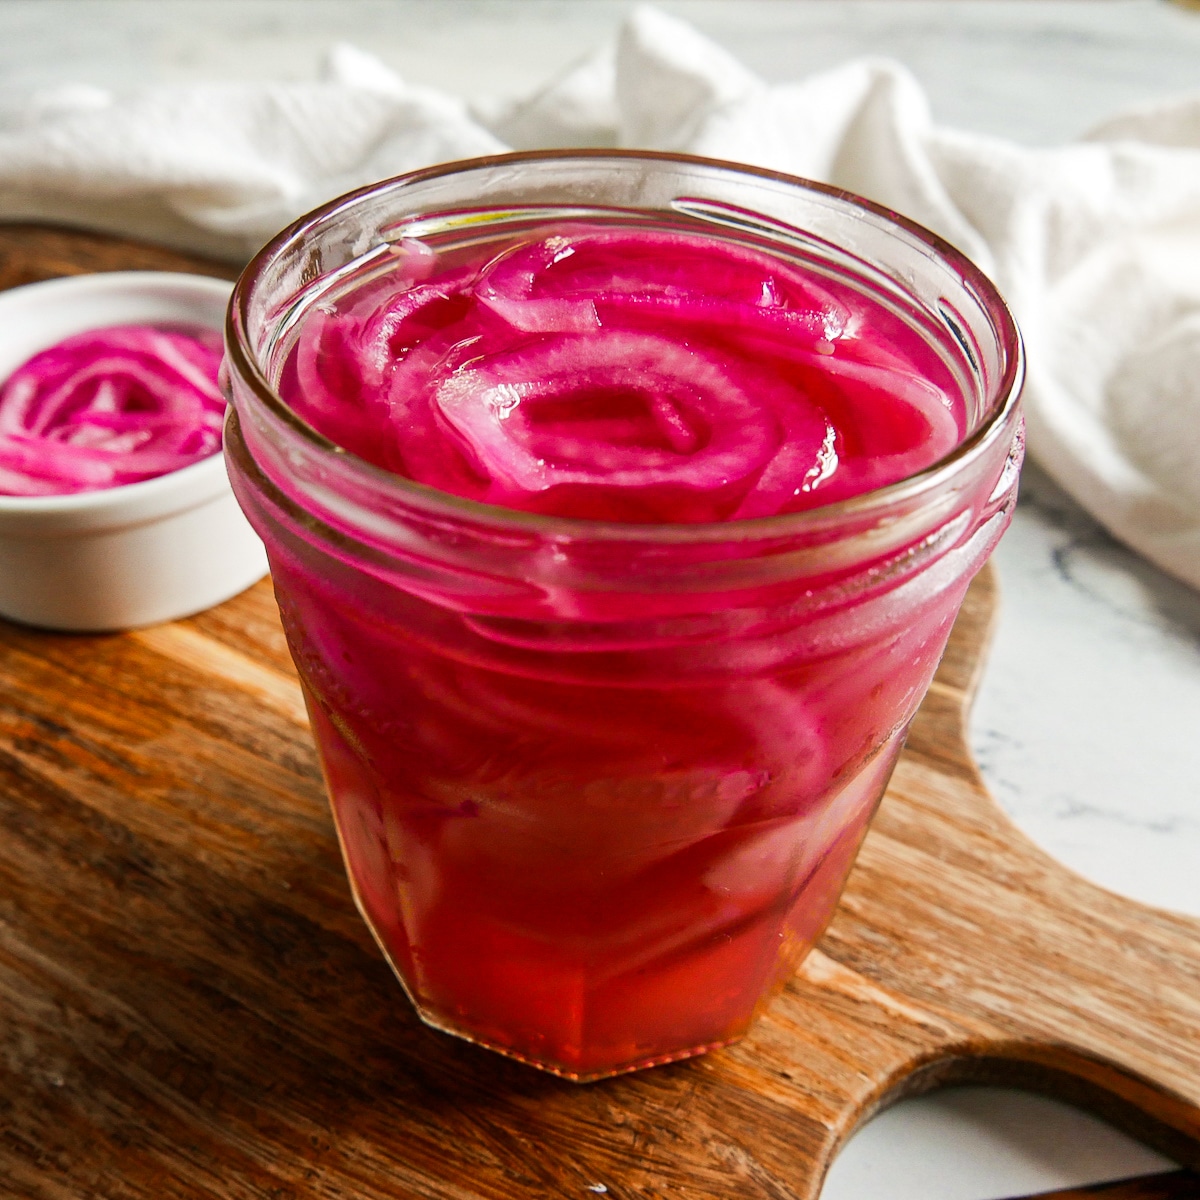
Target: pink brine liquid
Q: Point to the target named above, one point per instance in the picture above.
(594, 833)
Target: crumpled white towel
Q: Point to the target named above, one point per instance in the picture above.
(1096, 245)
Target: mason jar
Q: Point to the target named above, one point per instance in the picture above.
(598, 785)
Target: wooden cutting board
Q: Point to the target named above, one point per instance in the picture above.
(190, 1006)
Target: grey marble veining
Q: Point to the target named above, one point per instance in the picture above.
(1040, 71)
(978, 1143)
(1087, 725)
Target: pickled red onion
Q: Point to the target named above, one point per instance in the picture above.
(108, 407)
(573, 283)
(645, 374)
(658, 403)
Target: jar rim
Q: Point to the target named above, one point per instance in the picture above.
(1003, 401)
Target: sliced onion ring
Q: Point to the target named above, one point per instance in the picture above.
(110, 406)
(711, 432)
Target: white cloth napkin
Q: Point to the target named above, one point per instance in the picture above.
(1096, 245)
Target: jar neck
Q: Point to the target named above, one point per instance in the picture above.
(492, 560)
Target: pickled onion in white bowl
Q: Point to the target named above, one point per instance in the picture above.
(110, 406)
(134, 548)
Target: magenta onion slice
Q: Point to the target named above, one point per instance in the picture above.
(891, 423)
(408, 318)
(615, 409)
(108, 407)
(575, 281)
(623, 374)
(509, 284)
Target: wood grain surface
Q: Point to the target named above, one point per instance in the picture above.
(1173, 1185)
(190, 1006)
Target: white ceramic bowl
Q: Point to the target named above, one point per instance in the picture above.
(125, 556)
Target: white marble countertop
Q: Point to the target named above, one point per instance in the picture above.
(1087, 722)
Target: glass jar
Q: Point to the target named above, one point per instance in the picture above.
(599, 785)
